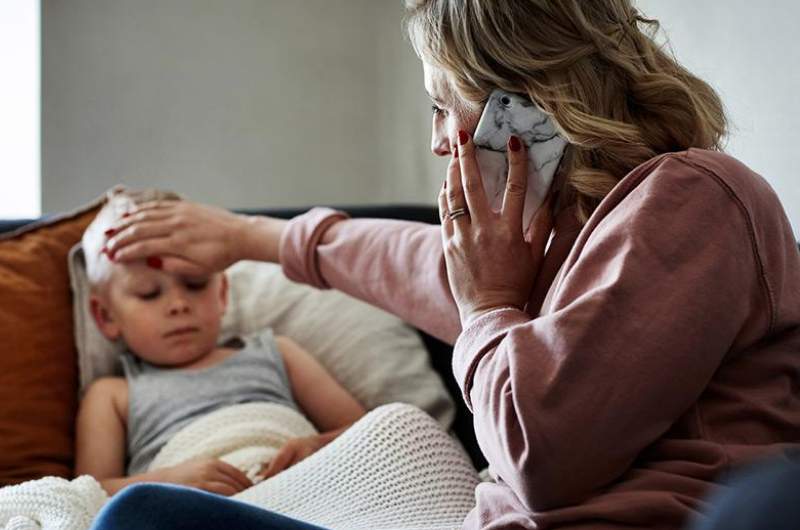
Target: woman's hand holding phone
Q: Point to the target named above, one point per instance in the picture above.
(490, 265)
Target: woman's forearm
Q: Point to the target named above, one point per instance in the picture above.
(260, 238)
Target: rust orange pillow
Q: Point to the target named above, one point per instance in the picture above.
(38, 366)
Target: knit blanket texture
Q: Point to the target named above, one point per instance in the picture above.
(396, 468)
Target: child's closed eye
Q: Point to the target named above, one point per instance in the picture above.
(150, 295)
(196, 285)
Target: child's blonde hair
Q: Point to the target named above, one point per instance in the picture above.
(118, 202)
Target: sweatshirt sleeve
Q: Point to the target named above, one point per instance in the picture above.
(650, 302)
(395, 265)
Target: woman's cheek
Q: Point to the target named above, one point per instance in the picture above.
(469, 121)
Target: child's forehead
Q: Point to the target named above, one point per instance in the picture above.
(137, 271)
(133, 271)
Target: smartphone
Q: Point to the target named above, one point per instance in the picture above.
(506, 114)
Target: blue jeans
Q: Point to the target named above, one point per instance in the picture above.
(765, 496)
(166, 506)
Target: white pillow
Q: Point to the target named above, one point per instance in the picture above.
(373, 354)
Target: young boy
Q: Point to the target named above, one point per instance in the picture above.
(175, 372)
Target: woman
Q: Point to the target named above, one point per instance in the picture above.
(644, 340)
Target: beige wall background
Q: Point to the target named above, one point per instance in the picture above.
(750, 53)
(242, 103)
(260, 103)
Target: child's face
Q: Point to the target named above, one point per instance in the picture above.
(164, 318)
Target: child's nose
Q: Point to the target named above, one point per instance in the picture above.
(178, 304)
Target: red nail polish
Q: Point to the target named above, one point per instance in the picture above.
(110, 232)
(126, 214)
(514, 144)
(463, 137)
(455, 151)
(154, 262)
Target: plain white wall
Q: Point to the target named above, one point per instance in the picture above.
(749, 52)
(256, 103)
(242, 103)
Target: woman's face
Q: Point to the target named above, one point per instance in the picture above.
(450, 113)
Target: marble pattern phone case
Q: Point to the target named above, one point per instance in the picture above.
(506, 114)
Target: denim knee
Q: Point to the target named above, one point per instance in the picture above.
(128, 507)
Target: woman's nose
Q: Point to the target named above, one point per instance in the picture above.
(441, 149)
(440, 141)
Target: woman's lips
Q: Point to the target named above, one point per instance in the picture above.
(180, 332)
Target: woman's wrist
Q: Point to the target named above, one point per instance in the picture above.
(260, 237)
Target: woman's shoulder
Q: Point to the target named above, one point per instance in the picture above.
(697, 204)
(671, 186)
(748, 185)
(705, 172)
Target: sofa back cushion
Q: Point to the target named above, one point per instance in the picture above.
(38, 368)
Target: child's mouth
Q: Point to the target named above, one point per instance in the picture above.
(180, 332)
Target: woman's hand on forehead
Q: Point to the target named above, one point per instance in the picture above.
(181, 237)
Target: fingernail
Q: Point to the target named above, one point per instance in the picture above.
(514, 144)
(463, 137)
(455, 151)
(110, 254)
(110, 232)
(154, 262)
(126, 214)
(445, 185)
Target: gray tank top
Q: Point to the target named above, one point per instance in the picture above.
(161, 401)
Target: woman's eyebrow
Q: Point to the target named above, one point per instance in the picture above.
(435, 99)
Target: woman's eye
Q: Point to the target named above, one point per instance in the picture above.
(152, 295)
(437, 110)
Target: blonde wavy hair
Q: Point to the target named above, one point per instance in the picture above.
(616, 95)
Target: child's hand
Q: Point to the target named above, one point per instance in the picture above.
(208, 474)
(291, 453)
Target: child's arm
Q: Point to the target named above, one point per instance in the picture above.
(324, 400)
(101, 443)
(329, 406)
(100, 432)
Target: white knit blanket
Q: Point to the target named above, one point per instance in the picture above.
(393, 469)
(51, 503)
(246, 436)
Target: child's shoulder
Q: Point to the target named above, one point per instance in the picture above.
(283, 340)
(106, 388)
(287, 346)
(266, 336)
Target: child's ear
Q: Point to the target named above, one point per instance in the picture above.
(103, 318)
(223, 291)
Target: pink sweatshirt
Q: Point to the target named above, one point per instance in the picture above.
(666, 349)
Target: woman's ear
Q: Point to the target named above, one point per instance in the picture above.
(103, 318)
